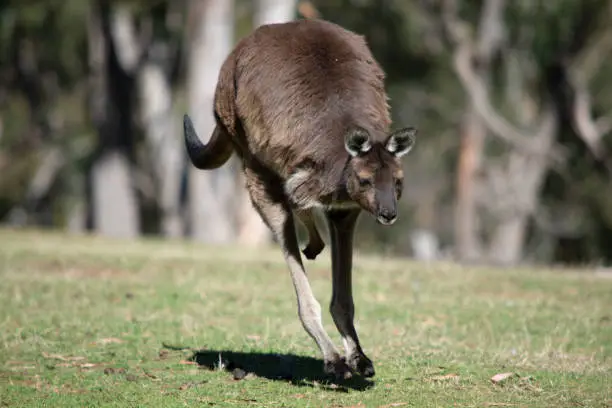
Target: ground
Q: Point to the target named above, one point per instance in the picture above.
(87, 321)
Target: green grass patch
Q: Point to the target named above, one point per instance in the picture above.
(88, 322)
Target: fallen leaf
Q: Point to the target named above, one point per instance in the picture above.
(498, 378)
(87, 365)
(163, 354)
(394, 404)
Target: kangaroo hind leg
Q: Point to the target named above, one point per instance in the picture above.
(270, 201)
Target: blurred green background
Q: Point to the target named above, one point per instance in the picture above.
(512, 100)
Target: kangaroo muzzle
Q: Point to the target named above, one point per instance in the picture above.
(386, 213)
(386, 216)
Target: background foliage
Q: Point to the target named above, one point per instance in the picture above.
(512, 100)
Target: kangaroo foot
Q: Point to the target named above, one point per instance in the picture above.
(361, 364)
(338, 368)
(313, 249)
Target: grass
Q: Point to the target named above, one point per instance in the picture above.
(87, 322)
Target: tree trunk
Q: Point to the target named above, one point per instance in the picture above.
(523, 181)
(162, 133)
(113, 202)
(77, 222)
(211, 193)
(508, 239)
(115, 205)
(155, 100)
(467, 241)
(275, 11)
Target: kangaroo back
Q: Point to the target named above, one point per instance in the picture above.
(299, 87)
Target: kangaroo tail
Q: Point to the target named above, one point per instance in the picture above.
(220, 147)
(207, 156)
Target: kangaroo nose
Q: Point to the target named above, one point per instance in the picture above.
(387, 216)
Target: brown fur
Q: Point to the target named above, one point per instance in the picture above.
(288, 94)
(303, 105)
(316, 81)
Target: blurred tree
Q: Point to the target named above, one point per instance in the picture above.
(113, 60)
(159, 41)
(511, 183)
(580, 200)
(274, 11)
(512, 71)
(513, 101)
(212, 194)
(38, 75)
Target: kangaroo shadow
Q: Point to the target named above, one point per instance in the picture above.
(294, 369)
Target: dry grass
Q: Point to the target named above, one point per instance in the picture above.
(86, 321)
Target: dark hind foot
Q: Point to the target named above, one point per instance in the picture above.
(338, 369)
(359, 363)
(313, 249)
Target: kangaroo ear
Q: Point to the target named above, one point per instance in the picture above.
(357, 141)
(400, 142)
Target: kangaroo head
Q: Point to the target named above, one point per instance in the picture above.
(374, 172)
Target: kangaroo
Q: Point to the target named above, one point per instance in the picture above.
(303, 106)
